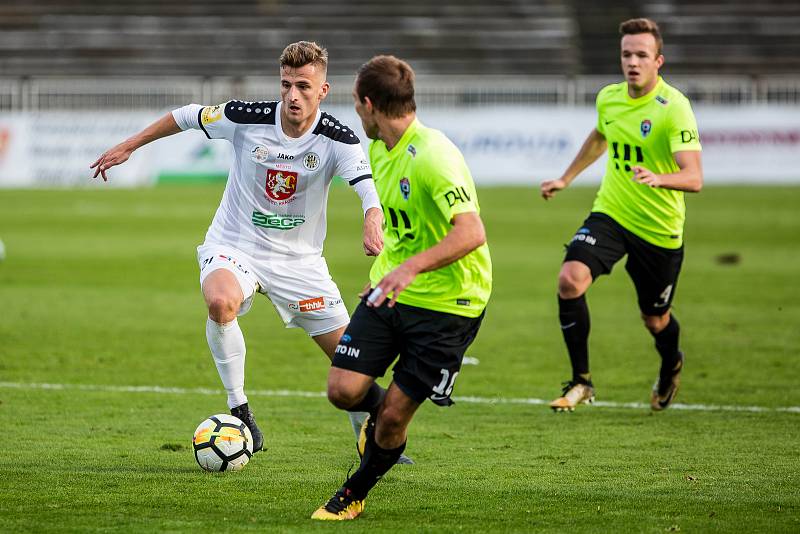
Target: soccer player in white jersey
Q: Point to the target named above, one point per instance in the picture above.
(268, 231)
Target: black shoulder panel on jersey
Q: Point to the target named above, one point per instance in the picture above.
(329, 126)
(251, 112)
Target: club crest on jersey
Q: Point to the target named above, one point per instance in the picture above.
(405, 187)
(645, 127)
(259, 153)
(311, 161)
(281, 185)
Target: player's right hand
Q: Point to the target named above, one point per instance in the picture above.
(549, 188)
(111, 157)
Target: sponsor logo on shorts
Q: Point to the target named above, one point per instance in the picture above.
(308, 305)
(281, 185)
(311, 161)
(348, 351)
(586, 238)
(231, 261)
(277, 222)
(346, 338)
(463, 302)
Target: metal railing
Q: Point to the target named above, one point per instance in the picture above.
(41, 94)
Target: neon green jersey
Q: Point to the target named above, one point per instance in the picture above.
(423, 181)
(644, 131)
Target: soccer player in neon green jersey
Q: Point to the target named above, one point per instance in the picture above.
(653, 158)
(428, 287)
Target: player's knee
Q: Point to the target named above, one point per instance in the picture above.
(391, 420)
(572, 284)
(655, 323)
(222, 309)
(342, 395)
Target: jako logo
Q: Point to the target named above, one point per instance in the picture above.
(281, 155)
(348, 351)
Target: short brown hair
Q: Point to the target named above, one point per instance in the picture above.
(637, 26)
(389, 84)
(304, 53)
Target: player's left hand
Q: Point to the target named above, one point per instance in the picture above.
(645, 176)
(394, 282)
(373, 232)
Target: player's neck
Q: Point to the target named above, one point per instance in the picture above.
(390, 130)
(296, 130)
(634, 92)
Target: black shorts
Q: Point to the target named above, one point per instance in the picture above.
(431, 346)
(601, 242)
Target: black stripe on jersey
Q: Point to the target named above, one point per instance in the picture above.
(251, 112)
(354, 181)
(330, 127)
(200, 121)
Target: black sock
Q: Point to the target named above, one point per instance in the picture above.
(375, 463)
(371, 401)
(573, 314)
(667, 346)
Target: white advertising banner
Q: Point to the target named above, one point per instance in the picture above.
(55, 149)
(502, 145)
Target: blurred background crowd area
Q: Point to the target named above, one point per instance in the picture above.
(154, 54)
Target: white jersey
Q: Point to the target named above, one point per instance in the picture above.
(275, 200)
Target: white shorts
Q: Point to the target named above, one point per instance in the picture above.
(302, 291)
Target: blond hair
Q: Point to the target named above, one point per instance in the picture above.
(304, 53)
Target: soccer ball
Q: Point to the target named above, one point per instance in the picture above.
(222, 443)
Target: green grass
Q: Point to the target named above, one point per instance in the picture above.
(100, 288)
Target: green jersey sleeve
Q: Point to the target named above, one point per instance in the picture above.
(449, 183)
(683, 134)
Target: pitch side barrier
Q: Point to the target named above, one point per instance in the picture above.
(503, 145)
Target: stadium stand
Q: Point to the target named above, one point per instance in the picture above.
(156, 53)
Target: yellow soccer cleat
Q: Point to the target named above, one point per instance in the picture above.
(666, 388)
(341, 507)
(574, 393)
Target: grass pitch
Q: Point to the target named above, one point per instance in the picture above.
(99, 295)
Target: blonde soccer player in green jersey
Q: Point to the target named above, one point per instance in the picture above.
(653, 146)
(428, 287)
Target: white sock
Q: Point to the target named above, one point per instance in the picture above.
(357, 419)
(227, 348)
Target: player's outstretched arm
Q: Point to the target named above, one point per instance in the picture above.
(466, 235)
(688, 179)
(163, 127)
(593, 148)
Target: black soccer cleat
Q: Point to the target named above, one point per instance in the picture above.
(666, 387)
(243, 412)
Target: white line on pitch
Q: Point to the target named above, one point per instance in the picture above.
(318, 394)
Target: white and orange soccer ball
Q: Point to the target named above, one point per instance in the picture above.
(222, 443)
